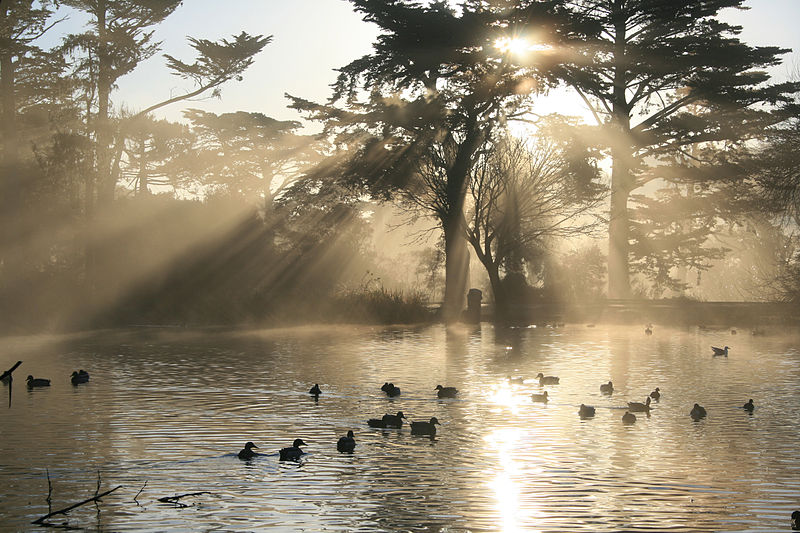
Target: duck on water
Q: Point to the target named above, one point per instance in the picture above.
(388, 421)
(293, 452)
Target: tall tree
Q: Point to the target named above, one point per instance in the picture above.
(439, 76)
(522, 195)
(652, 61)
(119, 37)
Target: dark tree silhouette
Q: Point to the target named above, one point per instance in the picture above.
(438, 77)
(652, 60)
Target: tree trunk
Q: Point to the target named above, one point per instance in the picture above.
(456, 252)
(501, 310)
(103, 134)
(621, 179)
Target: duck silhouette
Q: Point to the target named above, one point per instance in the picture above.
(586, 411)
(37, 382)
(656, 394)
(547, 380)
(607, 388)
(720, 351)
(247, 452)
(293, 452)
(541, 398)
(628, 418)
(315, 390)
(749, 406)
(638, 407)
(648, 329)
(796, 521)
(425, 428)
(388, 421)
(446, 392)
(347, 443)
(81, 376)
(390, 389)
(697, 412)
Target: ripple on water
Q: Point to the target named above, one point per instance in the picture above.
(167, 412)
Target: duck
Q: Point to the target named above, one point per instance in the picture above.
(586, 411)
(697, 412)
(749, 406)
(628, 418)
(720, 351)
(648, 329)
(516, 380)
(390, 389)
(547, 380)
(81, 376)
(541, 398)
(247, 452)
(796, 521)
(315, 390)
(37, 382)
(425, 428)
(293, 452)
(607, 388)
(638, 407)
(446, 392)
(388, 421)
(347, 443)
(656, 394)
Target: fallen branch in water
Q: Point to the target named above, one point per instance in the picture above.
(140, 491)
(7, 373)
(174, 499)
(65, 510)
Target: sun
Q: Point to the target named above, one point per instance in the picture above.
(512, 45)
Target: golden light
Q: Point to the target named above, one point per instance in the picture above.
(518, 46)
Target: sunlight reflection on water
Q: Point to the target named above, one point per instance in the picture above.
(171, 409)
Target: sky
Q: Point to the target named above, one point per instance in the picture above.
(311, 38)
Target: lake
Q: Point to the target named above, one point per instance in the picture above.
(166, 411)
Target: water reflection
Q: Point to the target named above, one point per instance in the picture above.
(172, 411)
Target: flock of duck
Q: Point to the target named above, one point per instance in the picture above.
(347, 444)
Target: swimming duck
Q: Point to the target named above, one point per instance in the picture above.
(315, 390)
(247, 452)
(518, 380)
(638, 407)
(656, 394)
(293, 452)
(388, 421)
(607, 388)
(82, 376)
(628, 418)
(749, 406)
(446, 392)
(347, 443)
(547, 380)
(542, 398)
(390, 390)
(37, 382)
(796, 521)
(648, 329)
(697, 412)
(586, 411)
(720, 351)
(425, 428)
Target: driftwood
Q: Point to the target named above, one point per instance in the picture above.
(140, 491)
(65, 510)
(7, 373)
(8, 378)
(175, 499)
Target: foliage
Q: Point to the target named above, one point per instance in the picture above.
(661, 77)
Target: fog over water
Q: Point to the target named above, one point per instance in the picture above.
(170, 409)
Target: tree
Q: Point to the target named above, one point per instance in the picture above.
(522, 195)
(651, 62)
(252, 156)
(438, 81)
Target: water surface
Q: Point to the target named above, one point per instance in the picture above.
(166, 411)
